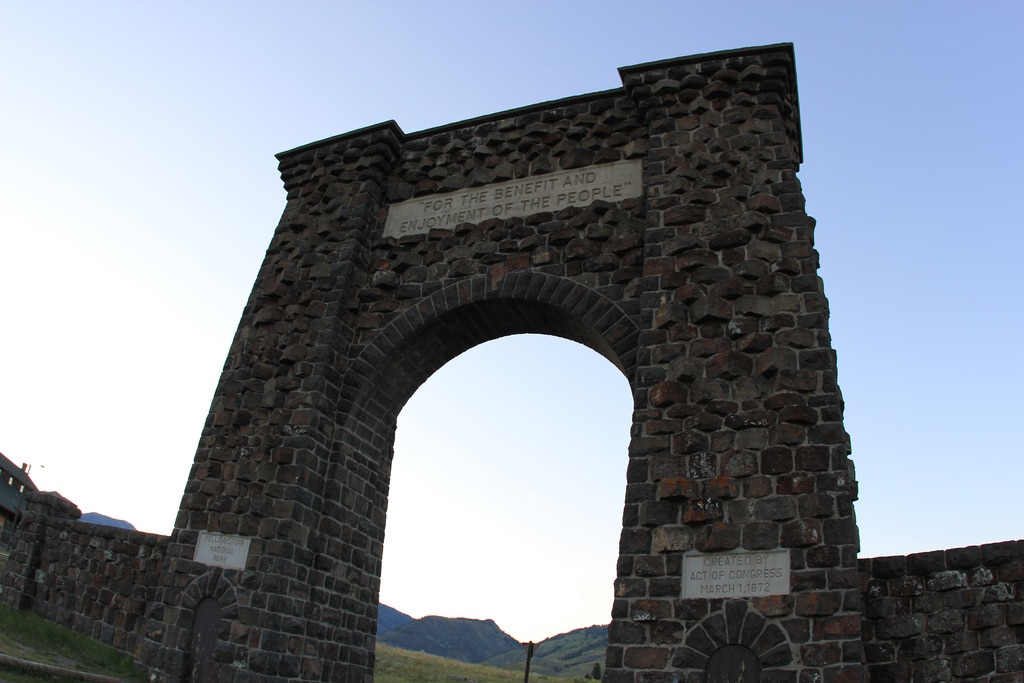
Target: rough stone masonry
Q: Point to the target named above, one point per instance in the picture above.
(661, 224)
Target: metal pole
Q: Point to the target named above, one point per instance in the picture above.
(529, 656)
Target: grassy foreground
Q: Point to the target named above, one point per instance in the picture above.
(26, 636)
(403, 666)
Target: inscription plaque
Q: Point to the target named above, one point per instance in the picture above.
(736, 575)
(515, 198)
(220, 550)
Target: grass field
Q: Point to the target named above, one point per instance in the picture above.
(402, 666)
(29, 637)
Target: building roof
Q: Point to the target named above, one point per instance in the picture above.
(16, 473)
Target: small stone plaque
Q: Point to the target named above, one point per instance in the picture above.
(736, 575)
(513, 198)
(220, 550)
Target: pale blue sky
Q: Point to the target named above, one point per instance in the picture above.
(138, 192)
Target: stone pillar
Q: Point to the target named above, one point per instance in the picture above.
(739, 454)
(265, 452)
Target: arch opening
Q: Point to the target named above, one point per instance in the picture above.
(506, 493)
(733, 664)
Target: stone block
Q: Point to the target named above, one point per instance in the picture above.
(678, 488)
(641, 657)
(775, 509)
(1010, 658)
(899, 626)
(698, 510)
(933, 671)
(672, 539)
(717, 536)
(729, 365)
(947, 580)
(658, 513)
(760, 536)
(985, 616)
(801, 533)
(818, 604)
(920, 647)
(973, 664)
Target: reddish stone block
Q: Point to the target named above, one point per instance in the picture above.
(678, 488)
(638, 657)
(774, 605)
(665, 393)
(842, 626)
(818, 604)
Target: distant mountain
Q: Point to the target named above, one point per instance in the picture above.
(388, 619)
(466, 640)
(97, 518)
(571, 654)
(477, 641)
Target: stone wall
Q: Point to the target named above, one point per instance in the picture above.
(98, 580)
(947, 615)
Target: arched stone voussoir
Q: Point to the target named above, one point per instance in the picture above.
(211, 584)
(417, 342)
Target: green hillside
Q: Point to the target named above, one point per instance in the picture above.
(570, 654)
(477, 641)
(467, 640)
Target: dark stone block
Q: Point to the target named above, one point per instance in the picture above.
(996, 554)
(973, 664)
(821, 654)
(963, 558)
(900, 626)
(760, 536)
(876, 653)
(689, 658)
(938, 669)
(698, 641)
(769, 639)
(919, 647)
(891, 673)
(1010, 658)
(888, 567)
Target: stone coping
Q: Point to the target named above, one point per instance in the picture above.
(392, 127)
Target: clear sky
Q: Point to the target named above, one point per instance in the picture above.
(139, 191)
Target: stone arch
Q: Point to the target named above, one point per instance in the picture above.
(417, 343)
(208, 604)
(462, 315)
(661, 224)
(211, 584)
(737, 622)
